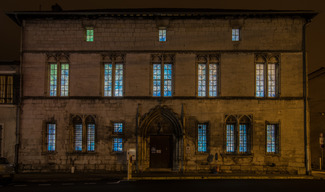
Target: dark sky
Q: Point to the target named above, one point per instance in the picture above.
(10, 32)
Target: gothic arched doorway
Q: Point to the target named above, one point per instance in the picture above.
(160, 140)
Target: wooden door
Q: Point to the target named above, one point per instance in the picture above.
(161, 151)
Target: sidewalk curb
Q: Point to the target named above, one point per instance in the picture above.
(221, 177)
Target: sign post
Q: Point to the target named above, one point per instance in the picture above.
(321, 143)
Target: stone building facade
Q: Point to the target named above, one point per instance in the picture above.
(189, 90)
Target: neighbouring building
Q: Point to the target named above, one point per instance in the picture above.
(188, 89)
(317, 114)
(9, 99)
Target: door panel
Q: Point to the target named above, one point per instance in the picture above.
(161, 151)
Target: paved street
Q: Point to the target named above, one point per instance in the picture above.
(171, 185)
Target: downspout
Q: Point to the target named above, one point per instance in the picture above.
(136, 137)
(18, 109)
(306, 127)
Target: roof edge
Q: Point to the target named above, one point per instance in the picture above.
(18, 16)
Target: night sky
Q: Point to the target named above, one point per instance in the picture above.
(10, 32)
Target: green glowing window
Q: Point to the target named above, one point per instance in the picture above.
(89, 35)
(59, 79)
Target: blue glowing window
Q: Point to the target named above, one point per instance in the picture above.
(259, 80)
(212, 80)
(230, 146)
(117, 144)
(162, 34)
(242, 138)
(271, 80)
(235, 34)
(51, 130)
(168, 80)
(108, 79)
(90, 137)
(157, 80)
(53, 79)
(272, 138)
(118, 127)
(118, 90)
(202, 80)
(78, 137)
(64, 79)
(202, 137)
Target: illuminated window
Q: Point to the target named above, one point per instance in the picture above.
(202, 137)
(162, 34)
(230, 138)
(64, 79)
(78, 137)
(207, 82)
(90, 123)
(266, 76)
(118, 127)
(117, 145)
(51, 132)
(88, 139)
(235, 34)
(162, 75)
(89, 34)
(166, 73)
(117, 134)
(157, 80)
(61, 86)
(272, 138)
(242, 138)
(113, 86)
(238, 135)
(207, 75)
(6, 89)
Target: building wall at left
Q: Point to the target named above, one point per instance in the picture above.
(9, 75)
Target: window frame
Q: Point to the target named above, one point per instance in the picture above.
(277, 139)
(207, 132)
(90, 120)
(5, 85)
(235, 37)
(237, 121)
(89, 38)
(207, 60)
(45, 126)
(48, 134)
(162, 37)
(118, 135)
(58, 79)
(162, 60)
(265, 61)
(84, 122)
(112, 60)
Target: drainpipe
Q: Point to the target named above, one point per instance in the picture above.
(305, 88)
(136, 137)
(19, 100)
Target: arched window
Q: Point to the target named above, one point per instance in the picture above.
(244, 135)
(238, 135)
(77, 124)
(266, 75)
(231, 124)
(90, 124)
